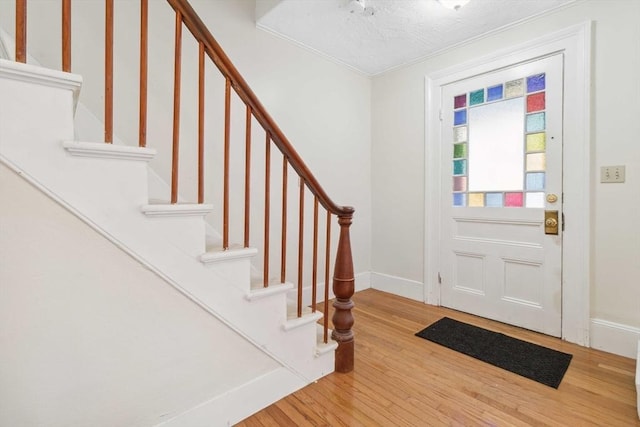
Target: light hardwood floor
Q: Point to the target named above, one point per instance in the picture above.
(402, 380)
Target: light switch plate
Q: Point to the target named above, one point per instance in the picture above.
(612, 173)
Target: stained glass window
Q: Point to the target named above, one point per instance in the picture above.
(494, 93)
(460, 101)
(460, 117)
(476, 97)
(499, 144)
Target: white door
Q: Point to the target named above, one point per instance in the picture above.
(501, 139)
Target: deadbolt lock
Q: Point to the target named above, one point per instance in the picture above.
(551, 222)
(552, 198)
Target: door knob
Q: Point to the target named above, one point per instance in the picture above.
(551, 222)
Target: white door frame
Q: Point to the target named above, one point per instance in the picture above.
(575, 44)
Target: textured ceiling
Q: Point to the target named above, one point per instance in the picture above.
(397, 33)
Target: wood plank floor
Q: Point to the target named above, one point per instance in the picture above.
(402, 380)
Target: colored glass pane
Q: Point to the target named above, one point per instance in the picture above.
(535, 102)
(459, 151)
(460, 101)
(514, 88)
(494, 200)
(534, 200)
(513, 200)
(536, 142)
(459, 183)
(460, 167)
(459, 199)
(536, 162)
(460, 134)
(535, 181)
(536, 83)
(475, 98)
(476, 200)
(535, 122)
(495, 92)
(460, 117)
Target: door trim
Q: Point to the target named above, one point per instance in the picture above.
(575, 44)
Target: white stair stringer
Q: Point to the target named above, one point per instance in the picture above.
(110, 193)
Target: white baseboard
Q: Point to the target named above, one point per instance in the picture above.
(615, 338)
(235, 405)
(398, 286)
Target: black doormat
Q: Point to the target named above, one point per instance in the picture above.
(533, 361)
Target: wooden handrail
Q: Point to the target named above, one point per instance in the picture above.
(199, 30)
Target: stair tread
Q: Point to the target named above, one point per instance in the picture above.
(158, 208)
(214, 254)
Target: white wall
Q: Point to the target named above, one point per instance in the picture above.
(398, 138)
(88, 336)
(323, 108)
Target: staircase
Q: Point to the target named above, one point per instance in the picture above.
(107, 186)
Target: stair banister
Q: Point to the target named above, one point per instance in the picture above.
(343, 277)
(343, 281)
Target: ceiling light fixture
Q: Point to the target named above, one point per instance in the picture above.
(453, 4)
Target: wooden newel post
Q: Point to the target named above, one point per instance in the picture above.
(343, 288)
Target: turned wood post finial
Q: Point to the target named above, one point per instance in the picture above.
(343, 288)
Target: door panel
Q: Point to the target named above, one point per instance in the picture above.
(501, 160)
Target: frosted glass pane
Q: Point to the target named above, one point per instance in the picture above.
(536, 142)
(459, 151)
(494, 200)
(513, 200)
(496, 146)
(476, 97)
(514, 88)
(534, 200)
(460, 134)
(535, 102)
(459, 199)
(536, 83)
(535, 122)
(460, 167)
(460, 101)
(536, 162)
(460, 183)
(460, 118)
(535, 181)
(476, 200)
(494, 93)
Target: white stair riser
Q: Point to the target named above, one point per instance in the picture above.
(186, 233)
(237, 271)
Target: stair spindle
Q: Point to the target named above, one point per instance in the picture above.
(66, 35)
(300, 246)
(327, 256)
(108, 73)
(144, 71)
(200, 122)
(21, 31)
(314, 268)
(177, 65)
(283, 244)
(247, 177)
(267, 209)
(225, 191)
